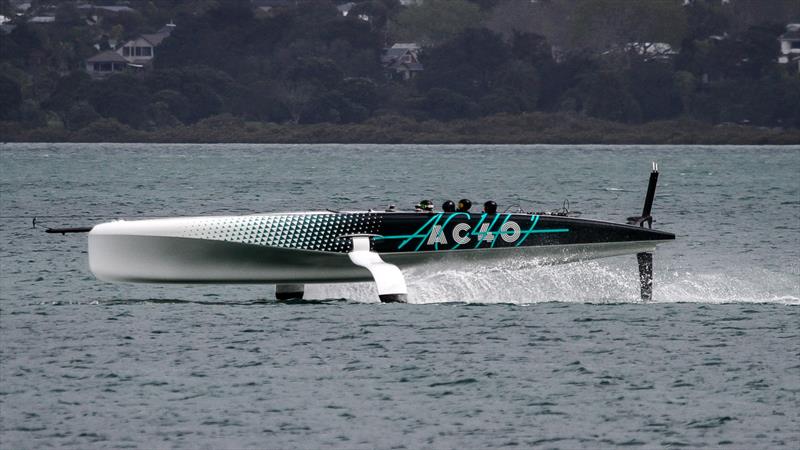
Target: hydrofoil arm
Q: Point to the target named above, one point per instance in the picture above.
(388, 277)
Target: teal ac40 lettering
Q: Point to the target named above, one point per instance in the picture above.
(437, 231)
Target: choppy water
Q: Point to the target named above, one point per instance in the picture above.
(507, 354)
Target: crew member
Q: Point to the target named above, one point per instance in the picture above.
(449, 206)
(464, 205)
(490, 207)
(424, 206)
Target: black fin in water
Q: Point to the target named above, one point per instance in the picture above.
(645, 260)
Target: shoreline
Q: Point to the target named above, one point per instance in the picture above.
(522, 129)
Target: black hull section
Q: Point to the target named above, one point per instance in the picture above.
(417, 232)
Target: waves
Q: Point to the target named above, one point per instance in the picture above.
(604, 282)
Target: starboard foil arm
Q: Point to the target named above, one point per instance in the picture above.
(388, 278)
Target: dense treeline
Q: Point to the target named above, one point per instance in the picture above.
(310, 65)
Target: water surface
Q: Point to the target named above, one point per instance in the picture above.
(512, 353)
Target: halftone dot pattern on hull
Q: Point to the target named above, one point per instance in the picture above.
(297, 231)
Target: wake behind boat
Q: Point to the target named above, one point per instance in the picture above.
(293, 249)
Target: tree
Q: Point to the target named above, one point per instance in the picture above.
(69, 90)
(705, 19)
(361, 91)
(378, 12)
(434, 21)
(176, 103)
(444, 104)
(20, 44)
(321, 71)
(121, 97)
(603, 94)
(68, 14)
(203, 101)
(468, 64)
(602, 24)
(749, 54)
(80, 115)
(333, 107)
(521, 81)
(10, 97)
(743, 14)
(749, 101)
(651, 84)
(532, 48)
(685, 85)
(296, 98)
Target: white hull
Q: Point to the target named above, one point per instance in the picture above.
(170, 251)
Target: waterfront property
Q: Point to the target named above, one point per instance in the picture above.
(401, 61)
(135, 54)
(790, 46)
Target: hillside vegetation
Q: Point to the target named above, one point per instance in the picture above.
(494, 72)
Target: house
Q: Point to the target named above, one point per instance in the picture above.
(344, 8)
(142, 49)
(115, 9)
(105, 9)
(660, 51)
(105, 63)
(135, 54)
(6, 27)
(790, 46)
(42, 19)
(401, 61)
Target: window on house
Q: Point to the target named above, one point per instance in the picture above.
(138, 51)
(795, 45)
(102, 67)
(147, 51)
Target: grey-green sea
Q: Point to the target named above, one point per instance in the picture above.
(510, 353)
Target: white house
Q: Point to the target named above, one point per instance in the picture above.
(402, 61)
(135, 54)
(106, 63)
(790, 46)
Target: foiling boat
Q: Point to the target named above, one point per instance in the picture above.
(297, 248)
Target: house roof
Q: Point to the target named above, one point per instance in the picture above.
(793, 35)
(407, 45)
(42, 19)
(167, 28)
(394, 53)
(107, 56)
(155, 38)
(116, 9)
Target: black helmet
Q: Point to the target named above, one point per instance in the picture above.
(448, 206)
(425, 205)
(464, 205)
(490, 207)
